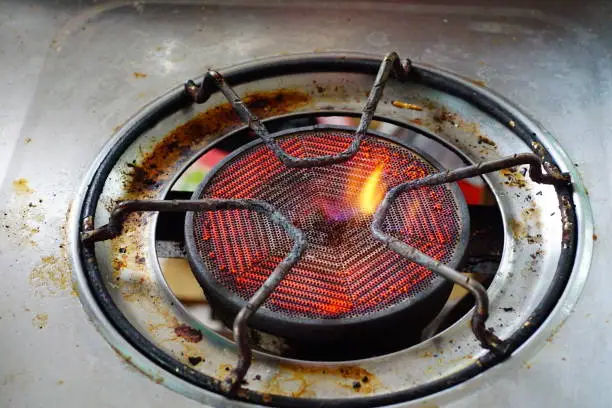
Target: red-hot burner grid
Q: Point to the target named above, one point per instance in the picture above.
(345, 272)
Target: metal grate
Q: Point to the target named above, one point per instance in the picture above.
(338, 224)
(345, 272)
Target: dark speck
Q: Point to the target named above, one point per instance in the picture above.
(356, 385)
(258, 377)
(258, 104)
(508, 309)
(365, 379)
(227, 368)
(195, 360)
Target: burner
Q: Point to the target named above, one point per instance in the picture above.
(346, 282)
(301, 213)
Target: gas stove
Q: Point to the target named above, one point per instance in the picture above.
(314, 229)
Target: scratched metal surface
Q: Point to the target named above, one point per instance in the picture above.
(61, 109)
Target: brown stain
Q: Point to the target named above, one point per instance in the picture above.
(21, 186)
(417, 121)
(296, 381)
(554, 332)
(224, 370)
(52, 276)
(595, 237)
(40, 320)
(442, 119)
(519, 230)
(136, 286)
(139, 74)
(478, 82)
(188, 333)
(153, 169)
(406, 105)
(483, 139)
(129, 363)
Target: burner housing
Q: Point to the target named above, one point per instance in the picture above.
(347, 283)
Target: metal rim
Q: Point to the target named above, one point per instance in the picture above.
(266, 319)
(97, 297)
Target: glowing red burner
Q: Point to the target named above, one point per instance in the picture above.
(345, 277)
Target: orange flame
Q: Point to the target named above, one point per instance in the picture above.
(366, 195)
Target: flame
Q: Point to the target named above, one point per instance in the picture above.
(366, 196)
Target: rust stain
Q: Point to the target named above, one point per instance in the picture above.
(153, 169)
(296, 381)
(417, 121)
(40, 320)
(21, 186)
(188, 333)
(595, 237)
(406, 105)
(139, 74)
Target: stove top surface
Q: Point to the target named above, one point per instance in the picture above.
(77, 72)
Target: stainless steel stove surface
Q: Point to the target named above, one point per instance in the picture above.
(78, 73)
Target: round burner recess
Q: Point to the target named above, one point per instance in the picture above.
(547, 233)
(348, 291)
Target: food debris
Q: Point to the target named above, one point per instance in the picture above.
(406, 105)
(21, 186)
(512, 124)
(194, 360)
(139, 75)
(188, 333)
(52, 276)
(27, 140)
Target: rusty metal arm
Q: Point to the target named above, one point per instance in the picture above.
(391, 64)
(553, 176)
(241, 335)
